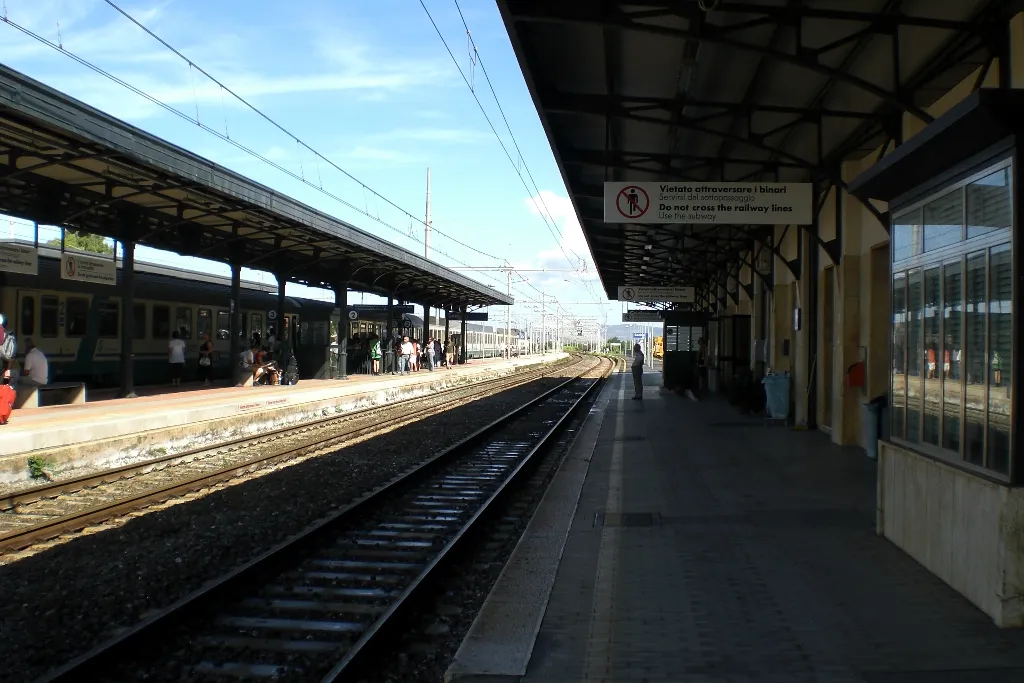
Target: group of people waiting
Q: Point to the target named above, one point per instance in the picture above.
(409, 354)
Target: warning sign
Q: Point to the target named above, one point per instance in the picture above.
(87, 269)
(632, 202)
(712, 203)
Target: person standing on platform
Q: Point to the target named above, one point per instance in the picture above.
(430, 353)
(406, 348)
(638, 373)
(176, 357)
(206, 360)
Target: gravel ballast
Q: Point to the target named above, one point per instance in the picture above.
(59, 603)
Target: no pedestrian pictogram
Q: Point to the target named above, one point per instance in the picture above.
(632, 201)
(70, 267)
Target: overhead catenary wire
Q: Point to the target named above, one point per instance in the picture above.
(554, 230)
(519, 164)
(281, 128)
(224, 136)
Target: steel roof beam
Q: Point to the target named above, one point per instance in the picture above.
(609, 14)
(626, 158)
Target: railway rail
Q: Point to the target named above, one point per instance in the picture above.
(314, 607)
(46, 512)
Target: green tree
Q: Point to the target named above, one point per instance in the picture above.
(83, 241)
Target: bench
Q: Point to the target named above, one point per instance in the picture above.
(55, 393)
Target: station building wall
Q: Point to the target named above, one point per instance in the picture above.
(963, 522)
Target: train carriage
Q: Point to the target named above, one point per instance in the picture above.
(78, 324)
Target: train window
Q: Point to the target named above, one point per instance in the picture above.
(203, 322)
(49, 307)
(161, 322)
(183, 322)
(78, 317)
(27, 326)
(108, 314)
(223, 325)
(257, 325)
(139, 321)
(287, 327)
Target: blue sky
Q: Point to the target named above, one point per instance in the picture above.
(367, 84)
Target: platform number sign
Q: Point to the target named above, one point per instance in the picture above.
(271, 315)
(353, 315)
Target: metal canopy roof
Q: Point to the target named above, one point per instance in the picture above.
(65, 163)
(769, 90)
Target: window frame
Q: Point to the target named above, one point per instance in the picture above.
(153, 319)
(67, 316)
(103, 307)
(941, 258)
(43, 298)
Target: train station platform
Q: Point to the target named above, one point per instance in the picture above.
(160, 421)
(683, 542)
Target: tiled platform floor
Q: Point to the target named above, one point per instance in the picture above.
(731, 552)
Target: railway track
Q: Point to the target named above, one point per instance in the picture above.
(316, 606)
(47, 511)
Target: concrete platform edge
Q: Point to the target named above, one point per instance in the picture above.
(500, 642)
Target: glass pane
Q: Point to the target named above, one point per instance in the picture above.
(203, 322)
(943, 221)
(952, 326)
(78, 317)
(139, 322)
(183, 322)
(223, 325)
(257, 328)
(932, 349)
(670, 338)
(27, 327)
(1000, 342)
(975, 356)
(906, 235)
(48, 318)
(915, 355)
(899, 355)
(988, 204)
(161, 322)
(108, 320)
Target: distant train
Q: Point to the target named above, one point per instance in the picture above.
(78, 324)
(483, 340)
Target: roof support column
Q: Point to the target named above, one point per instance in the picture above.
(447, 335)
(811, 274)
(463, 342)
(341, 302)
(235, 328)
(279, 327)
(127, 309)
(426, 324)
(389, 338)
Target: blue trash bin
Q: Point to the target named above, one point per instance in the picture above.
(870, 421)
(776, 392)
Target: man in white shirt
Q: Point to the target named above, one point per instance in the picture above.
(176, 356)
(35, 370)
(403, 366)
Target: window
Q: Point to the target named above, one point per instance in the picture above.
(139, 321)
(161, 322)
(223, 325)
(27, 325)
(670, 338)
(108, 316)
(988, 204)
(204, 323)
(933, 357)
(915, 355)
(49, 316)
(183, 322)
(952, 324)
(1000, 355)
(974, 359)
(943, 221)
(906, 235)
(77, 317)
(257, 325)
(899, 356)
